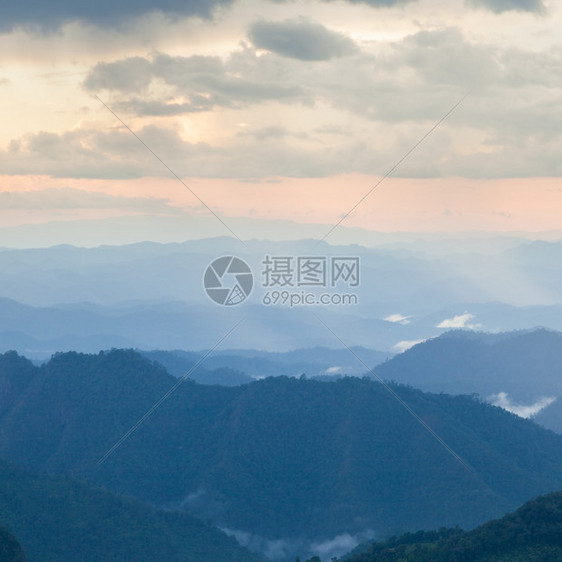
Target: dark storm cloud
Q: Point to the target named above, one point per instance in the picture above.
(496, 6)
(108, 13)
(41, 15)
(499, 6)
(300, 39)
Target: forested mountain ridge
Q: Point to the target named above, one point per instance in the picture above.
(531, 533)
(277, 458)
(58, 518)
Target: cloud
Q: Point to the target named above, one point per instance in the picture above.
(459, 321)
(202, 83)
(274, 549)
(290, 547)
(445, 57)
(158, 108)
(77, 153)
(500, 6)
(115, 153)
(69, 198)
(371, 86)
(300, 39)
(398, 318)
(378, 3)
(333, 370)
(49, 16)
(128, 75)
(404, 345)
(338, 546)
(503, 400)
(41, 16)
(510, 126)
(273, 132)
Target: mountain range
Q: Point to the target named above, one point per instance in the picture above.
(151, 296)
(239, 366)
(288, 466)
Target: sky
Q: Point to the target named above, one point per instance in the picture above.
(271, 110)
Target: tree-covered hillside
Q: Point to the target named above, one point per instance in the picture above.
(57, 518)
(10, 548)
(532, 533)
(280, 457)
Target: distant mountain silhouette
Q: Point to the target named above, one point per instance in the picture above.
(232, 367)
(41, 331)
(150, 296)
(526, 365)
